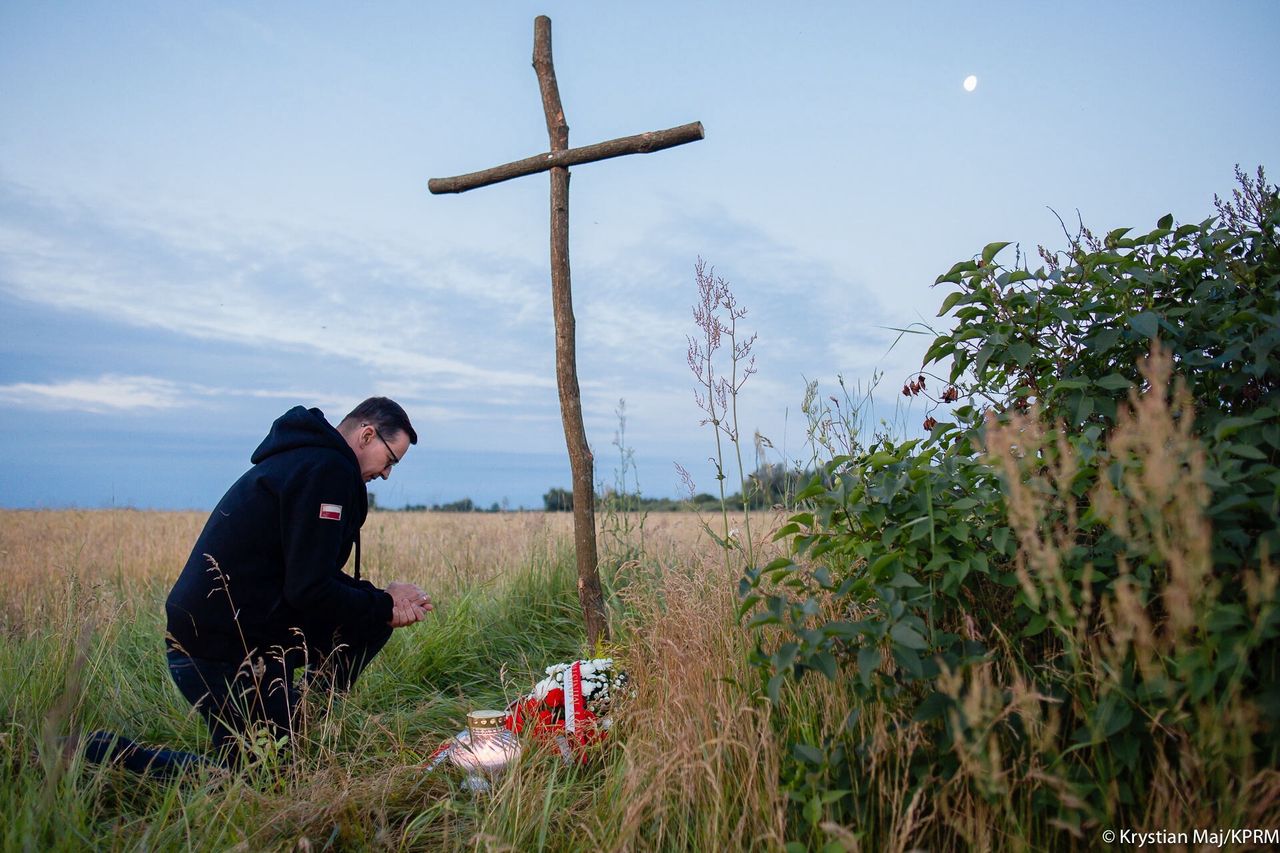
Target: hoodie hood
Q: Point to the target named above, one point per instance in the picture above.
(302, 427)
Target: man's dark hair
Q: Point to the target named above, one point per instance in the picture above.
(384, 414)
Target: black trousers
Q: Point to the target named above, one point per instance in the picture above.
(236, 699)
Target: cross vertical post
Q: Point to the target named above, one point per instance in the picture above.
(581, 462)
(557, 161)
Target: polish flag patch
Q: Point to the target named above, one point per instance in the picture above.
(333, 512)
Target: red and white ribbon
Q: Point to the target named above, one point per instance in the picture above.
(574, 706)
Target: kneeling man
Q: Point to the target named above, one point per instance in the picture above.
(264, 593)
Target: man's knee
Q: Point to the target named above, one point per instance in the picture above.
(238, 701)
(350, 643)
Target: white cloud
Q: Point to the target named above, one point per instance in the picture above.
(115, 393)
(463, 335)
(106, 393)
(374, 306)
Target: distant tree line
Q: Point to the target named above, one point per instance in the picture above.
(464, 505)
(768, 486)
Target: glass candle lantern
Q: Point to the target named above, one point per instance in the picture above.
(484, 749)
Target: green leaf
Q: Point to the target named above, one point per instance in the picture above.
(991, 250)
(1113, 714)
(785, 657)
(1084, 408)
(1245, 451)
(1145, 323)
(808, 754)
(904, 635)
(880, 566)
(813, 811)
(902, 580)
(1165, 221)
(940, 347)
(960, 267)
(775, 684)
(950, 302)
(1020, 353)
(868, 663)
(1037, 624)
(1113, 382)
(1224, 617)
(1102, 339)
(843, 628)
(811, 491)
(909, 661)
(1228, 427)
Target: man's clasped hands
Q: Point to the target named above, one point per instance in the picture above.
(409, 604)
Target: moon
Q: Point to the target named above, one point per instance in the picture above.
(970, 83)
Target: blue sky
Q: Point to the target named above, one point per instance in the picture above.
(212, 212)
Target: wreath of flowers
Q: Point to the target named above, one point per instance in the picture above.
(571, 705)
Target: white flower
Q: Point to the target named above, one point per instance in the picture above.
(598, 678)
(543, 687)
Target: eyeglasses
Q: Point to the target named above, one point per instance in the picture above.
(395, 460)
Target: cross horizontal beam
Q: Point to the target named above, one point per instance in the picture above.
(641, 143)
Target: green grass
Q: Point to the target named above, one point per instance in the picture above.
(77, 657)
(416, 694)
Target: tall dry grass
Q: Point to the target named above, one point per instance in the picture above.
(699, 743)
(694, 763)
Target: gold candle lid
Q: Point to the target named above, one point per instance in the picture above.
(488, 720)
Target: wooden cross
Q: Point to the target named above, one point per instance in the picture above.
(558, 160)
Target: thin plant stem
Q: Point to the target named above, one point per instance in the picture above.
(737, 445)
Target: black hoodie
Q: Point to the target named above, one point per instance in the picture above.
(280, 537)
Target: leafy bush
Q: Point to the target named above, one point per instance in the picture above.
(1058, 610)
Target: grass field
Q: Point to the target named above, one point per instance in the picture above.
(691, 764)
